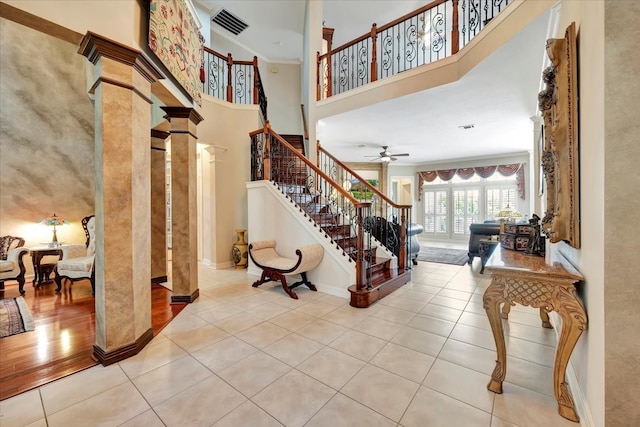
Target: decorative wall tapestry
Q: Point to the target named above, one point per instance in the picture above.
(176, 41)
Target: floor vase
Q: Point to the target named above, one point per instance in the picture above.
(240, 249)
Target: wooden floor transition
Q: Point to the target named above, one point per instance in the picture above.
(64, 335)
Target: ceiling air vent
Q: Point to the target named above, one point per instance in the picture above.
(229, 22)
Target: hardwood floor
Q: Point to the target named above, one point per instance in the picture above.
(64, 334)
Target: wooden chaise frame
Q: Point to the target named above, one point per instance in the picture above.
(275, 267)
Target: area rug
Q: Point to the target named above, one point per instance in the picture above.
(15, 317)
(442, 255)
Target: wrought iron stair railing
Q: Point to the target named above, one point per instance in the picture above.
(349, 222)
(389, 222)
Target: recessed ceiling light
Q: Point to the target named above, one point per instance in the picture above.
(469, 126)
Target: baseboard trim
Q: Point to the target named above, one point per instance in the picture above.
(159, 279)
(186, 298)
(222, 265)
(107, 358)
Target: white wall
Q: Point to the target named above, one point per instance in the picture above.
(284, 98)
(272, 216)
(281, 82)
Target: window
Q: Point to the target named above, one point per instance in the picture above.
(450, 207)
(435, 212)
(499, 198)
(465, 209)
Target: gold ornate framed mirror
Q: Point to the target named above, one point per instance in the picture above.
(560, 157)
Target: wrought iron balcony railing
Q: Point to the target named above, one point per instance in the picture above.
(428, 34)
(233, 81)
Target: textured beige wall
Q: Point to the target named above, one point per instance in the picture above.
(46, 137)
(228, 168)
(621, 183)
(98, 16)
(588, 355)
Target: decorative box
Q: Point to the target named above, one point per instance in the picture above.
(515, 236)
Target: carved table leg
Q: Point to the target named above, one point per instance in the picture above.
(506, 309)
(35, 260)
(544, 316)
(492, 299)
(574, 321)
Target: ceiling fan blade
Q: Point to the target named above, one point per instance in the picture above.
(399, 155)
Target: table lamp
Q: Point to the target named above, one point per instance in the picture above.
(54, 220)
(508, 214)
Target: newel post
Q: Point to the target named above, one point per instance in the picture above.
(229, 74)
(266, 158)
(361, 282)
(455, 35)
(402, 254)
(374, 53)
(255, 79)
(318, 76)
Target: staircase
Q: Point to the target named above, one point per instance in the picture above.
(344, 220)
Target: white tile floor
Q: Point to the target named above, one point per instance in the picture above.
(243, 356)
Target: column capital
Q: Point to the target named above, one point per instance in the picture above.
(94, 46)
(160, 134)
(183, 113)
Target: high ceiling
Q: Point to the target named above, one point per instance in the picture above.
(498, 96)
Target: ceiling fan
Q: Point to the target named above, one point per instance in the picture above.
(386, 156)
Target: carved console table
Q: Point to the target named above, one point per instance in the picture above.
(529, 280)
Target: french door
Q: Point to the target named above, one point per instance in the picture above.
(449, 212)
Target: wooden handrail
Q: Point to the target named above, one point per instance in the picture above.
(268, 130)
(213, 52)
(363, 181)
(412, 14)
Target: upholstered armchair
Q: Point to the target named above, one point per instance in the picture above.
(77, 261)
(11, 264)
(480, 231)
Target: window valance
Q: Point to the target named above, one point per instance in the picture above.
(482, 171)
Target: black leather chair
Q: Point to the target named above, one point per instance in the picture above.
(480, 231)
